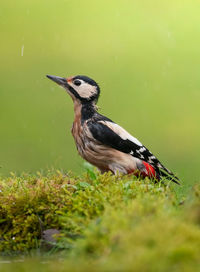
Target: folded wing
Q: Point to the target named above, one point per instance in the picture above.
(112, 135)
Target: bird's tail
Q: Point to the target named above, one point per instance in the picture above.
(166, 173)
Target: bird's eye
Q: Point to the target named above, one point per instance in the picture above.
(77, 82)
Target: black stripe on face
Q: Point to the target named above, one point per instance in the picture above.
(74, 92)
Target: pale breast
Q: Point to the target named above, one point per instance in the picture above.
(102, 156)
(77, 132)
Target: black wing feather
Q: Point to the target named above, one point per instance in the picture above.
(105, 135)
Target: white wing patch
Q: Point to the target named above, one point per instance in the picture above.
(142, 149)
(121, 132)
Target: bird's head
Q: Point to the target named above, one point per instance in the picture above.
(80, 88)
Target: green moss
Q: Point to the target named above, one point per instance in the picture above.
(102, 219)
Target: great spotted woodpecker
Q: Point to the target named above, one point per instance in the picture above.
(102, 142)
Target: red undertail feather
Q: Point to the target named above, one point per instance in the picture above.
(150, 171)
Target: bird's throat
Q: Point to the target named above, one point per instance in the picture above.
(87, 111)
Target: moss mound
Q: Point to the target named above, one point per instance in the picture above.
(113, 223)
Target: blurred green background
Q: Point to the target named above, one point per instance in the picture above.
(144, 54)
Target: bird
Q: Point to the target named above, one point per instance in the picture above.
(102, 142)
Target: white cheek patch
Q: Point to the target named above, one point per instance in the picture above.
(121, 132)
(85, 90)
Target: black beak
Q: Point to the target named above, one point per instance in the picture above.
(59, 80)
